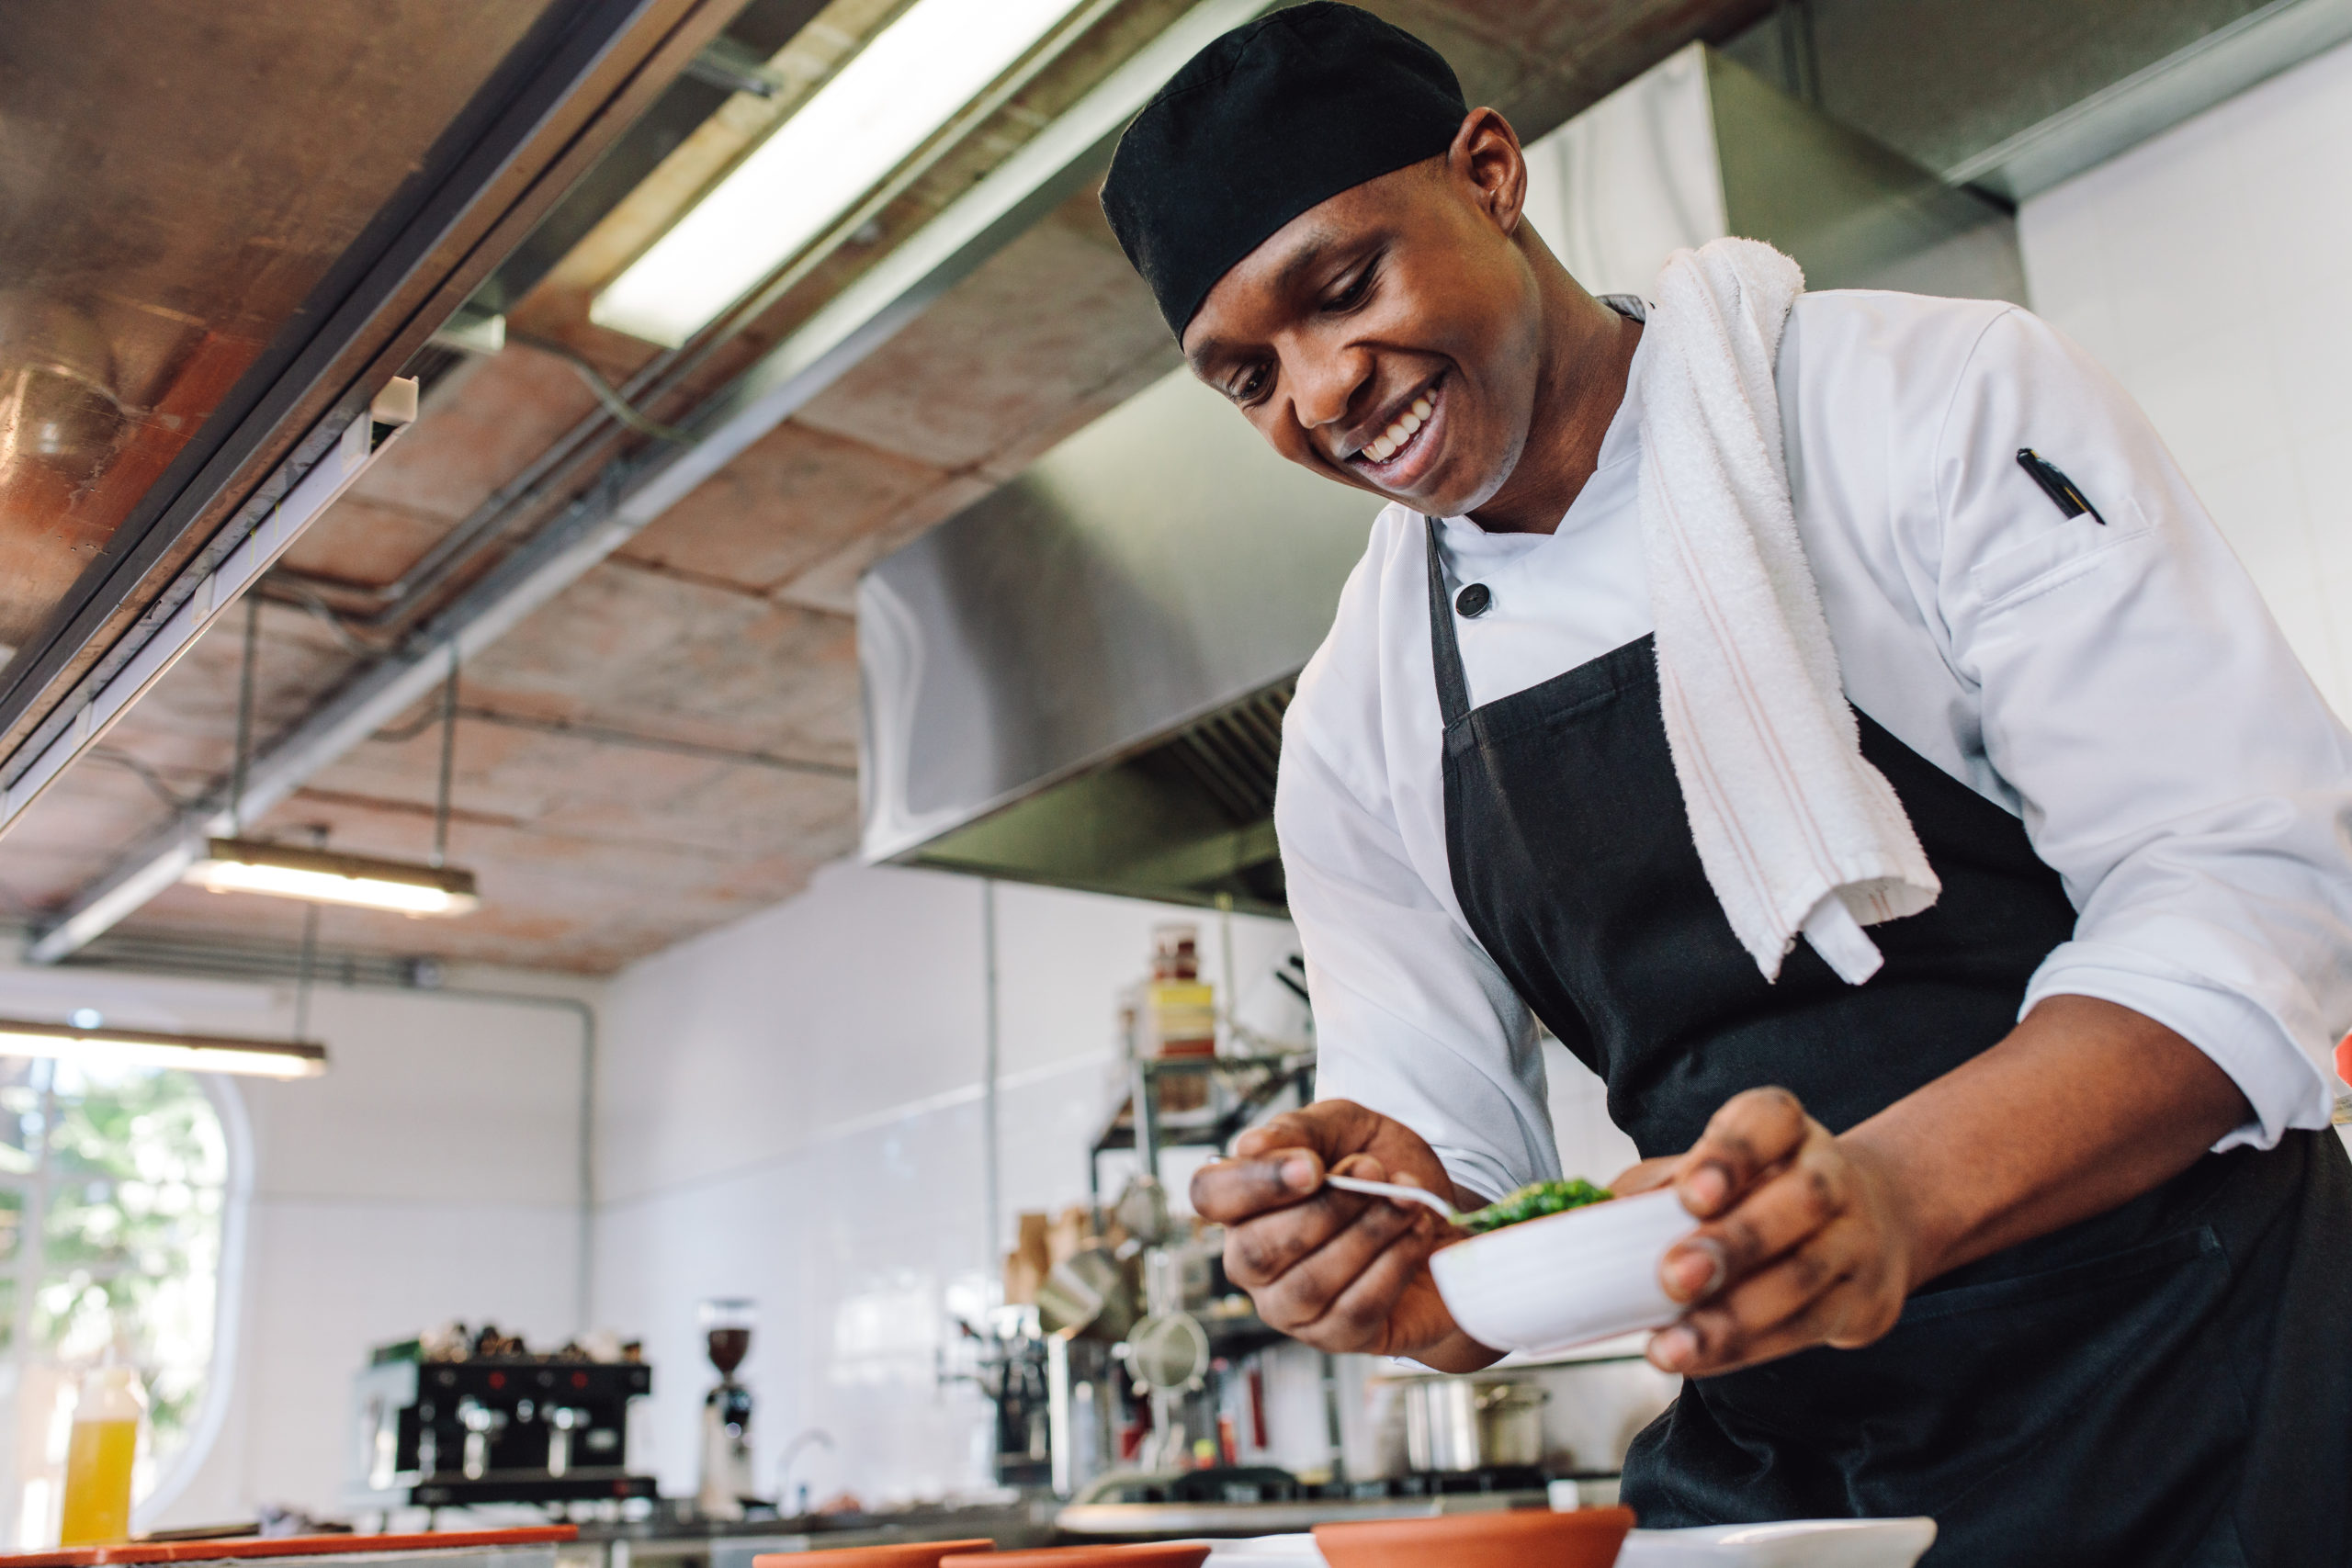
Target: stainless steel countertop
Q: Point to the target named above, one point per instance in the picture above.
(734, 1544)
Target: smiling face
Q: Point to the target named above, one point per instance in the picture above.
(1399, 336)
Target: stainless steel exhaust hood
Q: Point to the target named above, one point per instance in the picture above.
(1080, 678)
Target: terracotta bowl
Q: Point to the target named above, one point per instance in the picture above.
(897, 1554)
(1521, 1538)
(1142, 1555)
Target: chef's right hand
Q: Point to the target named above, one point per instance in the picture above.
(1339, 1271)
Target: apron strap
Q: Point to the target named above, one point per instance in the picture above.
(1453, 686)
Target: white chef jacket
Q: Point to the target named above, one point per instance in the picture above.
(2121, 687)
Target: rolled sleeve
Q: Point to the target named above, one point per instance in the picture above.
(1412, 1018)
(2174, 762)
(2245, 1039)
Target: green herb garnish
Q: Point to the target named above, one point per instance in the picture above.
(1533, 1203)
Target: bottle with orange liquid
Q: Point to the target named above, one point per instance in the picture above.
(98, 1458)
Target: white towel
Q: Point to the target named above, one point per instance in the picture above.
(1796, 832)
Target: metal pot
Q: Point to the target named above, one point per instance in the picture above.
(1464, 1423)
(1088, 1292)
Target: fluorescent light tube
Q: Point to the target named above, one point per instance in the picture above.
(190, 1053)
(916, 73)
(320, 877)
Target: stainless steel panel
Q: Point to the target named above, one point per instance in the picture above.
(1462, 1424)
(1156, 568)
(1855, 213)
(1441, 1425)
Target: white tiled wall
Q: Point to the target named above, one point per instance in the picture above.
(791, 1111)
(2210, 268)
(850, 1246)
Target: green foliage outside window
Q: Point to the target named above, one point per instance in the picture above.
(112, 1188)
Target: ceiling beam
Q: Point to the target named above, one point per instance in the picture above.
(546, 114)
(210, 594)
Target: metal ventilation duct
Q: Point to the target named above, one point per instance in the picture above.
(1080, 678)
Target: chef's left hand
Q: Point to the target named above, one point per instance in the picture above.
(1804, 1241)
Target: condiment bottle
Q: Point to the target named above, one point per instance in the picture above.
(1180, 1013)
(99, 1457)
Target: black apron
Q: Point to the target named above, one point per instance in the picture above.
(2169, 1382)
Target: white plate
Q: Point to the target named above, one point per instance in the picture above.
(1548, 1284)
(1792, 1544)
(1264, 1551)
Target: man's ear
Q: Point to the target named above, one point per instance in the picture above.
(1487, 161)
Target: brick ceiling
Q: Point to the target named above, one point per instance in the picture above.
(672, 742)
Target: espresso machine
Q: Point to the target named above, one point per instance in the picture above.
(727, 1485)
(453, 1418)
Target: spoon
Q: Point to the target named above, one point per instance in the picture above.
(1396, 1190)
(1528, 1203)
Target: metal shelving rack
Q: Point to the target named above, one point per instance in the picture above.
(1240, 1090)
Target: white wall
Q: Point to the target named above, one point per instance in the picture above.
(790, 1108)
(432, 1173)
(2210, 268)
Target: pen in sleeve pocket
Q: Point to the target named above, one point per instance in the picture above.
(2071, 500)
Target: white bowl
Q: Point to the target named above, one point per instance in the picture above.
(1792, 1544)
(1567, 1278)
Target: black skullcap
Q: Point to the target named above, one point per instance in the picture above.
(1272, 118)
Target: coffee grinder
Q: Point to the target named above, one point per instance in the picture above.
(726, 1411)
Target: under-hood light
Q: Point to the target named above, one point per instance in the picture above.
(322, 877)
(137, 1048)
(915, 75)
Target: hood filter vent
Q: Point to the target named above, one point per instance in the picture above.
(1187, 820)
(1232, 755)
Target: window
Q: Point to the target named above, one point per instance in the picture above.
(114, 1198)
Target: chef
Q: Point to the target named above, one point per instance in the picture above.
(1835, 718)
